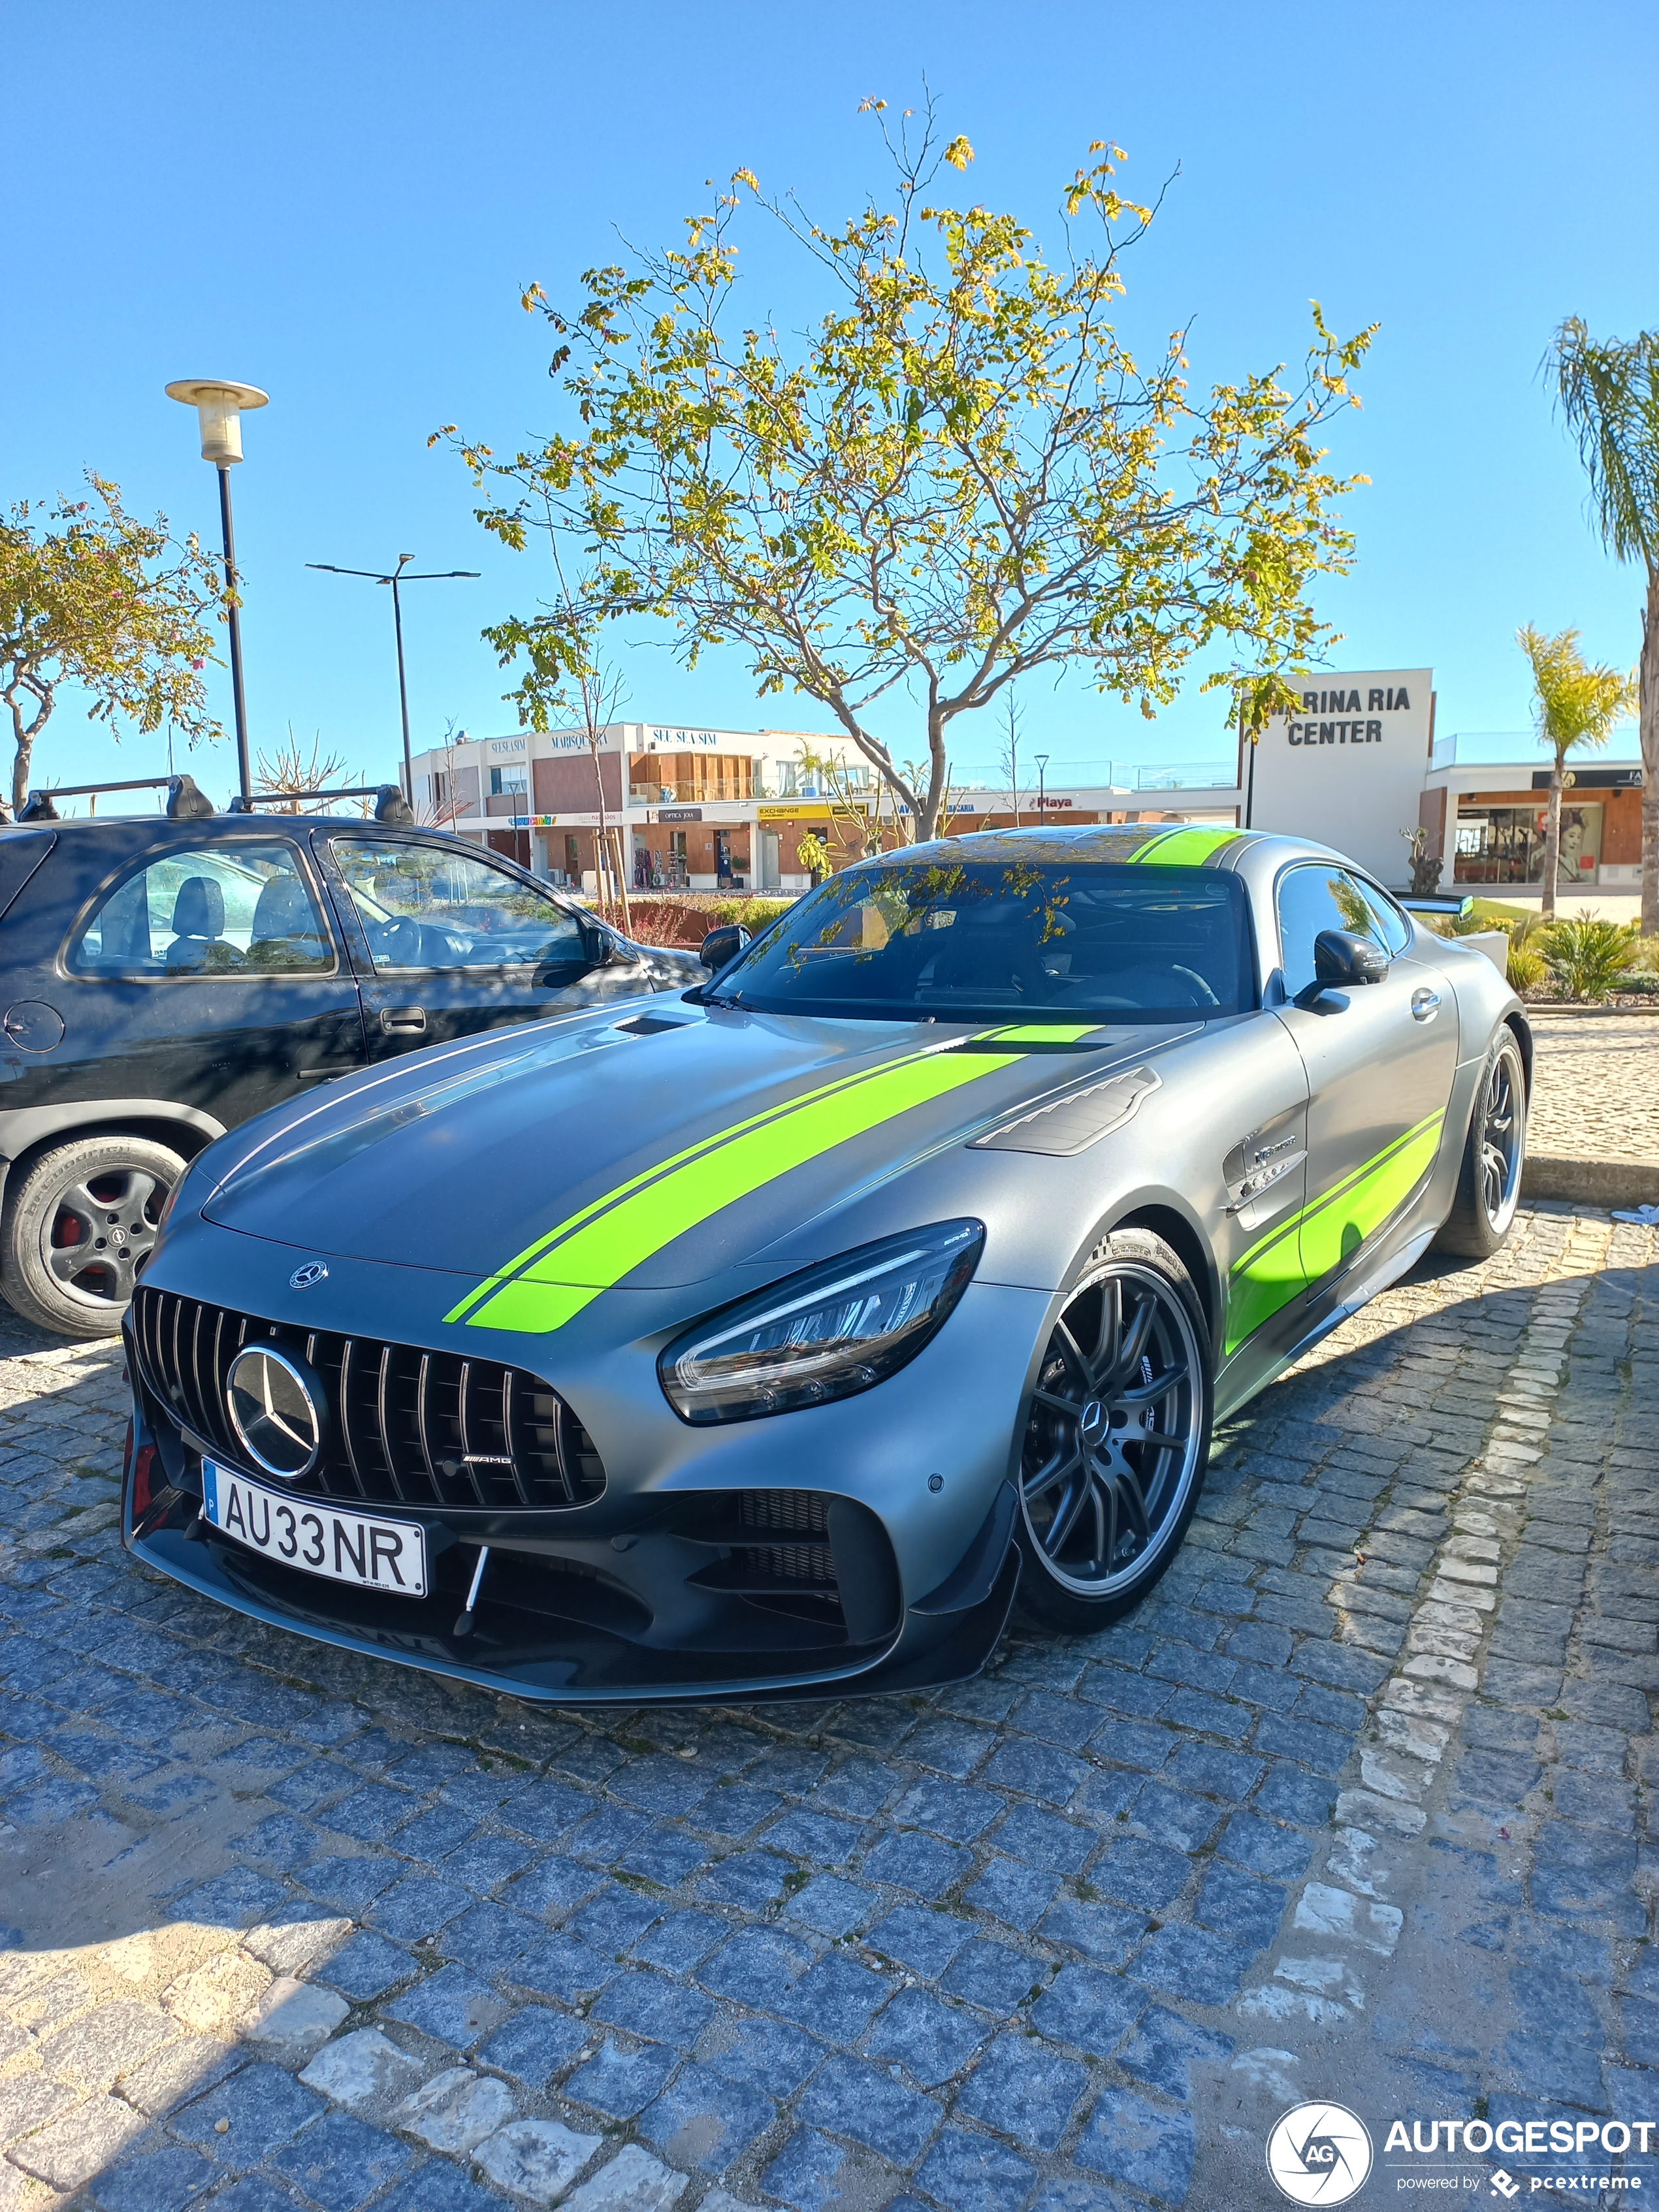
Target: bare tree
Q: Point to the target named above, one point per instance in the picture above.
(1012, 715)
(288, 774)
(440, 811)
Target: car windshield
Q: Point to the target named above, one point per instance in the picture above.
(980, 940)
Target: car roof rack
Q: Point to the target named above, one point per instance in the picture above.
(185, 802)
(390, 805)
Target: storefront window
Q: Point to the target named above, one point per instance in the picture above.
(1505, 845)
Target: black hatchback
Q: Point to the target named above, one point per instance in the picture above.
(161, 980)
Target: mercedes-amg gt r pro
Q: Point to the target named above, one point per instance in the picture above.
(756, 1343)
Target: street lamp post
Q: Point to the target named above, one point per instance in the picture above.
(1042, 760)
(396, 579)
(220, 406)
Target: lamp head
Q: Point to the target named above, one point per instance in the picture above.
(219, 405)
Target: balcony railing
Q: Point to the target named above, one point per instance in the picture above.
(689, 793)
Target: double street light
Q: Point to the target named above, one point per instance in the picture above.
(397, 578)
(220, 405)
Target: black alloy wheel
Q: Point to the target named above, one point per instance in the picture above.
(1489, 1175)
(1118, 1434)
(79, 1229)
(1502, 1117)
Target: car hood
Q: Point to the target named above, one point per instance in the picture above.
(658, 1148)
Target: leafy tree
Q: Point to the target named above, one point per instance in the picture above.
(92, 597)
(1608, 393)
(1576, 704)
(958, 475)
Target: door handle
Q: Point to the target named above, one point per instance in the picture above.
(402, 1021)
(1425, 1004)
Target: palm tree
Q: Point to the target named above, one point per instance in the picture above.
(1608, 393)
(1577, 704)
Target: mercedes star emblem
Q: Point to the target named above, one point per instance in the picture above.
(276, 1406)
(313, 1272)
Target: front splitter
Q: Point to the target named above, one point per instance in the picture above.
(573, 1664)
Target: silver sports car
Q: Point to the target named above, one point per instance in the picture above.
(762, 1341)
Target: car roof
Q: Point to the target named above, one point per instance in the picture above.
(1080, 841)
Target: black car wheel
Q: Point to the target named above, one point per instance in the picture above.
(1118, 1434)
(79, 1226)
(1494, 1154)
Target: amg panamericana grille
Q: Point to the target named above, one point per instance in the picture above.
(404, 1425)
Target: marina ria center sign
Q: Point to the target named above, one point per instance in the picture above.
(1348, 768)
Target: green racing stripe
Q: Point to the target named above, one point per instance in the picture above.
(552, 1281)
(1316, 1240)
(1181, 848)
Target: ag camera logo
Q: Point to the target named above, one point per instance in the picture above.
(1319, 2154)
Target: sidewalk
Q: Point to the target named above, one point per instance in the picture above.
(1593, 1134)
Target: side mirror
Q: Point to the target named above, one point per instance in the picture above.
(721, 947)
(599, 948)
(1343, 961)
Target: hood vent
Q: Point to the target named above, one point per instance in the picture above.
(1074, 1122)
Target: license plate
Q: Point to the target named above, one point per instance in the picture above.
(316, 1538)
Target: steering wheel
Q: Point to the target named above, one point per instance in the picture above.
(396, 943)
(1206, 996)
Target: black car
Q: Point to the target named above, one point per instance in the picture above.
(163, 978)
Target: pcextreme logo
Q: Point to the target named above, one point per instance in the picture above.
(1318, 2154)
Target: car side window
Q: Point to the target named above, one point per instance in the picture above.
(238, 909)
(1312, 898)
(1390, 926)
(424, 907)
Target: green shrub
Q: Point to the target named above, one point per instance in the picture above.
(1644, 960)
(1585, 959)
(755, 913)
(1524, 968)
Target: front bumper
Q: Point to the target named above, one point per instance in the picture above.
(635, 1597)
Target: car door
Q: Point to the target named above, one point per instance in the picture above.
(1380, 1060)
(216, 966)
(449, 942)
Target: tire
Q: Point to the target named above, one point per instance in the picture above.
(1494, 1153)
(1103, 1511)
(79, 1226)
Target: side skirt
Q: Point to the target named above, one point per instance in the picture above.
(1377, 1278)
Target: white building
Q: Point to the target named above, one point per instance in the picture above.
(1359, 768)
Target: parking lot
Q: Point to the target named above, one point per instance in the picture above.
(1355, 1808)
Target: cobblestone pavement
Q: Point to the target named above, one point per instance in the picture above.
(1597, 1088)
(1355, 1808)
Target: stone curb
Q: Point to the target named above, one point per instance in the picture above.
(1591, 1182)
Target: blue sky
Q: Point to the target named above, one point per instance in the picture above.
(342, 203)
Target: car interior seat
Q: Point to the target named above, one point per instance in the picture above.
(198, 924)
(284, 931)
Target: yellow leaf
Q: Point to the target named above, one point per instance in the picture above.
(959, 153)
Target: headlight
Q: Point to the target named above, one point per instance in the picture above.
(827, 1333)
